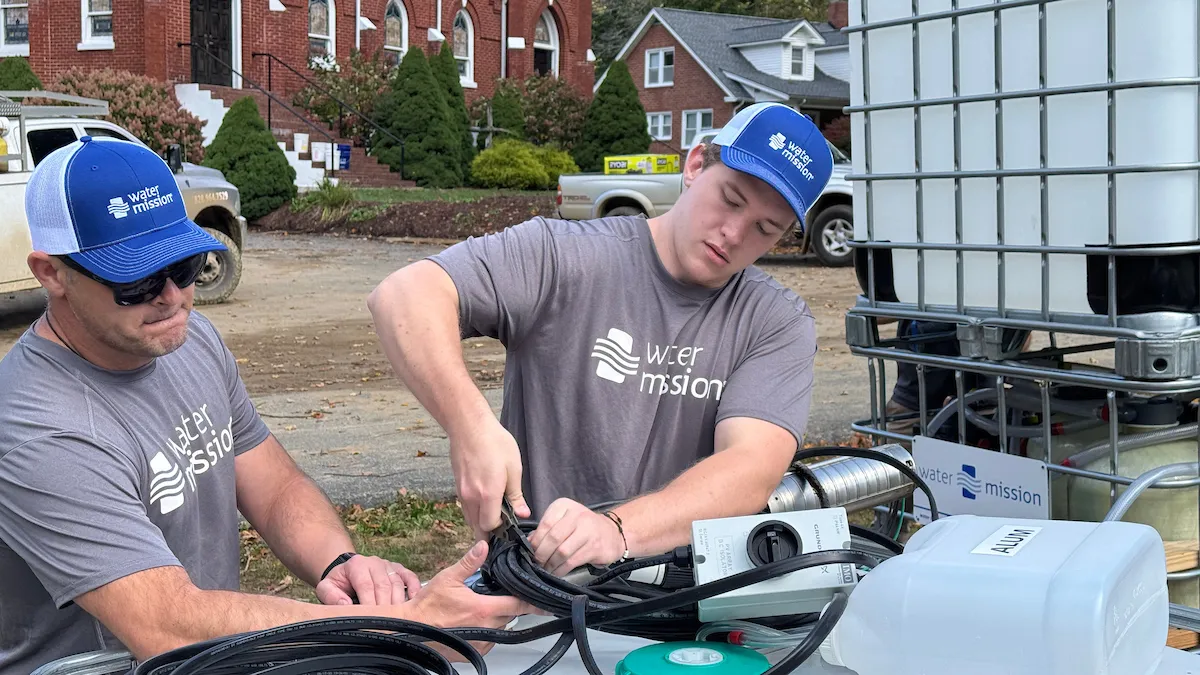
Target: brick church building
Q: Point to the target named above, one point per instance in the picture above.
(213, 52)
(491, 38)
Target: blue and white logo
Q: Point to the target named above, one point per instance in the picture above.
(118, 208)
(969, 482)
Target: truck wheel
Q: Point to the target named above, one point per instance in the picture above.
(832, 232)
(221, 273)
(625, 211)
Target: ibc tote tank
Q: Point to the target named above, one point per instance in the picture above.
(1152, 126)
(1173, 512)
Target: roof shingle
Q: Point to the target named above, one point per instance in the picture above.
(710, 41)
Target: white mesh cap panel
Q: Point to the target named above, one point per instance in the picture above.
(730, 132)
(50, 224)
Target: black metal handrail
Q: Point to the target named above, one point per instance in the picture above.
(341, 104)
(271, 97)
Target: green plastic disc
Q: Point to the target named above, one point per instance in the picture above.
(693, 658)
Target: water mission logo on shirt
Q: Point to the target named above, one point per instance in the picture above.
(167, 486)
(616, 362)
(196, 443)
(615, 353)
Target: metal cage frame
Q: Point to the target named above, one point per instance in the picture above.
(1152, 354)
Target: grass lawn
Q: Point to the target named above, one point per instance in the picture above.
(424, 536)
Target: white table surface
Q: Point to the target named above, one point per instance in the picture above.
(609, 649)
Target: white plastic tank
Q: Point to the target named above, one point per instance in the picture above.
(1154, 126)
(1173, 512)
(995, 595)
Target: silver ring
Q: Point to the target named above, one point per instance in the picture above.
(392, 574)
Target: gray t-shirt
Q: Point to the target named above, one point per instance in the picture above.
(103, 474)
(616, 372)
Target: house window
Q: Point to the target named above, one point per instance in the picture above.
(97, 24)
(660, 67)
(464, 47)
(320, 28)
(695, 122)
(545, 45)
(14, 40)
(659, 125)
(395, 32)
(799, 56)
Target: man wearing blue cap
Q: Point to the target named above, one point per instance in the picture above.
(128, 446)
(647, 360)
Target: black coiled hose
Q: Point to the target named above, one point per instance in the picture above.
(610, 603)
(374, 646)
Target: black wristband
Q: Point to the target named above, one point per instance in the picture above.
(336, 561)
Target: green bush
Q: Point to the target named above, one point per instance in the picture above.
(415, 110)
(555, 162)
(246, 152)
(16, 75)
(615, 123)
(145, 106)
(509, 164)
(445, 69)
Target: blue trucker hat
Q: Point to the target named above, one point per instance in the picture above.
(114, 207)
(783, 147)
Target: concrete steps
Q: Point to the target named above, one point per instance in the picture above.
(309, 150)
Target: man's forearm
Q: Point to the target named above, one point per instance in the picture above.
(205, 615)
(416, 318)
(733, 482)
(303, 529)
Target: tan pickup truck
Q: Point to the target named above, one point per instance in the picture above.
(829, 224)
(34, 131)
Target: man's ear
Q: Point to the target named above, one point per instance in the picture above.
(693, 164)
(46, 270)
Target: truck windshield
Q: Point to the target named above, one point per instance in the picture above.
(839, 157)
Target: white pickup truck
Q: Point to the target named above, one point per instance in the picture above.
(829, 226)
(34, 131)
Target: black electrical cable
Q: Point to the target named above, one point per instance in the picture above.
(635, 564)
(812, 642)
(352, 644)
(670, 616)
(378, 645)
(608, 603)
(875, 538)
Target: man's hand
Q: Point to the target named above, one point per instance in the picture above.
(571, 535)
(447, 602)
(487, 467)
(373, 580)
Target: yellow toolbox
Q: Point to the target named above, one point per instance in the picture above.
(641, 164)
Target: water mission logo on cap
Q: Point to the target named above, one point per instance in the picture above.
(774, 143)
(114, 207)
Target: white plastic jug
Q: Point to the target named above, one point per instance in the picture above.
(1000, 595)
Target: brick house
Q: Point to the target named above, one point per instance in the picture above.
(143, 35)
(695, 70)
(492, 39)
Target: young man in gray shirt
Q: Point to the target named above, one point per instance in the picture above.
(128, 445)
(647, 361)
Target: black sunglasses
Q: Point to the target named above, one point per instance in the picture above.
(184, 273)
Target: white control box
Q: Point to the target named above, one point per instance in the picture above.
(720, 549)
